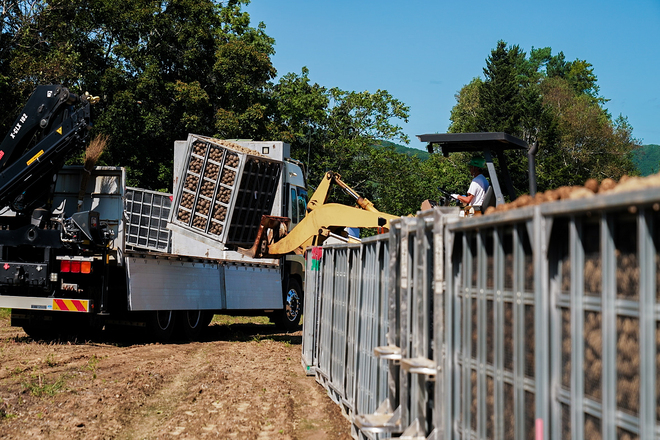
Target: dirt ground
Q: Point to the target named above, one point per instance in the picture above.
(243, 381)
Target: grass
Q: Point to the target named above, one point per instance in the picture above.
(5, 313)
(50, 360)
(38, 386)
(92, 365)
(229, 320)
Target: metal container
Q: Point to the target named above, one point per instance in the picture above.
(146, 225)
(224, 191)
(538, 322)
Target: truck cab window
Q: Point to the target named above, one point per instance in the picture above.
(302, 203)
(294, 206)
(298, 204)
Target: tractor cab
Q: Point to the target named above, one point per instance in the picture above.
(488, 144)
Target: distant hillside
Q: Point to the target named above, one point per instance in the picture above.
(647, 159)
(422, 154)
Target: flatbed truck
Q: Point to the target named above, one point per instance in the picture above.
(129, 256)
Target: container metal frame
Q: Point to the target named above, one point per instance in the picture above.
(538, 323)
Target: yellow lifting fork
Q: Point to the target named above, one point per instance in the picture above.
(322, 218)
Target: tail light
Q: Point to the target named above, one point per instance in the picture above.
(75, 265)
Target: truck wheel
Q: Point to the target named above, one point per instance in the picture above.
(193, 323)
(289, 317)
(161, 325)
(39, 333)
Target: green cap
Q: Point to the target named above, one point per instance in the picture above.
(478, 162)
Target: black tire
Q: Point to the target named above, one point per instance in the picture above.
(193, 323)
(39, 333)
(288, 319)
(161, 325)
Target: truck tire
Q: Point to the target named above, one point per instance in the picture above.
(161, 324)
(288, 319)
(39, 333)
(193, 323)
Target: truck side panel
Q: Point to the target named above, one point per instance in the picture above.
(162, 284)
(253, 287)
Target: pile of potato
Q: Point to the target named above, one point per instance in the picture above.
(203, 206)
(199, 148)
(622, 434)
(474, 402)
(232, 160)
(191, 182)
(228, 177)
(199, 222)
(490, 406)
(215, 229)
(509, 412)
(183, 216)
(566, 347)
(593, 355)
(529, 341)
(593, 275)
(592, 428)
(627, 358)
(508, 336)
(234, 146)
(211, 171)
(223, 195)
(207, 189)
(195, 165)
(590, 188)
(627, 363)
(219, 212)
(627, 275)
(216, 154)
(187, 200)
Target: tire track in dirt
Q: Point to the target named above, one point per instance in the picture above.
(241, 382)
(163, 404)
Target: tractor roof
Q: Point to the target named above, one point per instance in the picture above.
(472, 142)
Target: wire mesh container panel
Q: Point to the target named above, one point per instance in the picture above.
(371, 327)
(147, 213)
(603, 283)
(313, 292)
(493, 295)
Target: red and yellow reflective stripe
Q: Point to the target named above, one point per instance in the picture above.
(71, 305)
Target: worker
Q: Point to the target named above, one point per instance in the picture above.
(478, 186)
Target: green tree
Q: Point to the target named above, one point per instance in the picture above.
(546, 100)
(353, 124)
(163, 69)
(333, 129)
(466, 113)
(300, 113)
(500, 98)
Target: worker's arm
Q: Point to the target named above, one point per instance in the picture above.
(464, 199)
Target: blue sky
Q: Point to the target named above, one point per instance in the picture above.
(423, 52)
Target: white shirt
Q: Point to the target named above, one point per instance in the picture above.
(478, 188)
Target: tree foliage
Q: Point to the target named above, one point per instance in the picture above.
(168, 68)
(163, 69)
(555, 103)
(172, 67)
(334, 129)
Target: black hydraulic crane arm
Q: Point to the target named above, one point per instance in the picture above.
(52, 124)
